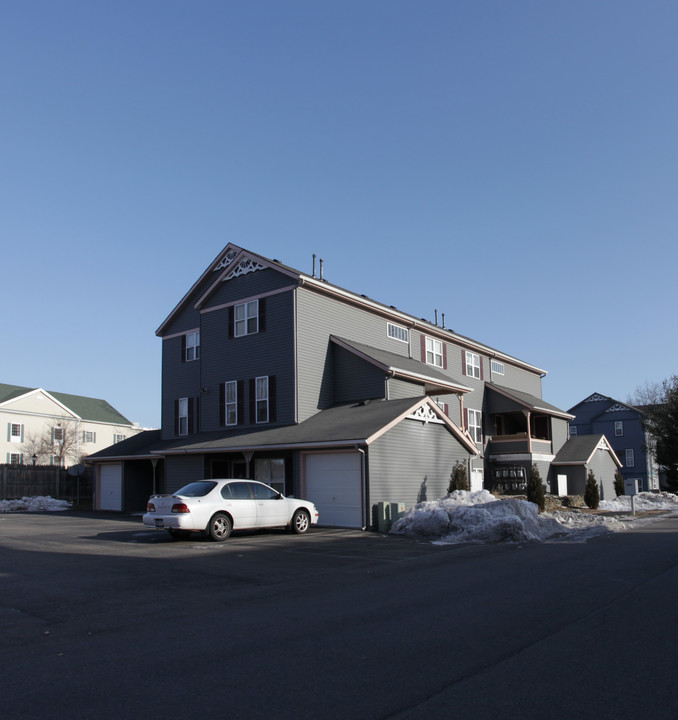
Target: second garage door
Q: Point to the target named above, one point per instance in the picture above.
(333, 484)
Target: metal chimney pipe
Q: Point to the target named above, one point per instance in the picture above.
(443, 321)
(322, 274)
(436, 316)
(314, 265)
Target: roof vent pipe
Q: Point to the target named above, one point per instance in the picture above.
(322, 274)
(436, 316)
(314, 266)
(443, 321)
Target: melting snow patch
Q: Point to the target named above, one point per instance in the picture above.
(34, 504)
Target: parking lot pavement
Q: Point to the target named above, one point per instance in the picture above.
(102, 619)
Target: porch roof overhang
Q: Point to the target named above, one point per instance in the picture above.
(581, 449)
(529, 402)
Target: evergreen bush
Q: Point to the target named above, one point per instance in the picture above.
(592, 493)
(535, 489)
(458, 477)
(618, 484)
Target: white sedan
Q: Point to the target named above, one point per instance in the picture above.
(217, 507)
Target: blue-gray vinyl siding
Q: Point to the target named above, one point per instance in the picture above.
(397, 389)
(355, 378)
(559, 433)
(267, 353)
(412, 462)
(181, 470)
(318, 317)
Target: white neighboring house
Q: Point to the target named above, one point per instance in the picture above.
(52, 428)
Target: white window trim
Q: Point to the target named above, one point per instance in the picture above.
(434, 352)
(192, 346)
(472, 365)
(261, 398)
(619, 428)
(573, 431)
(397, 332)
(12, 436)
(475, 425)
(497, 367)
(249, 311)
(630, 458)
(183, 416)
(232, 404)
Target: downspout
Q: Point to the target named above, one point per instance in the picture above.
(363, 486)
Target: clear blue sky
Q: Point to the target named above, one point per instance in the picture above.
(511, 164)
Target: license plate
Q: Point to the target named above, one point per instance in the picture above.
(158, 523)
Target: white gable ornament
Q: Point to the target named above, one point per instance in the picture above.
(595, 398)
(425, 414)
(226, 260)
(618, 407)
(244, 267)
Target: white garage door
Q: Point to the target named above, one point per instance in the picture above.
(333, 484)
(110, 487)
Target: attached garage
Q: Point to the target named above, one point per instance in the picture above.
(333, 481)
(110, 487)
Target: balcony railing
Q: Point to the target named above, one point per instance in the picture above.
(517, 443)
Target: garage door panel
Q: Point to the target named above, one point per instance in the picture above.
(333, 483)
(110, 487)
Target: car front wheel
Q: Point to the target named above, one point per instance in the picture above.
(301, 521)
(220, 527)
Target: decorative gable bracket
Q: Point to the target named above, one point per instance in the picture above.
(245, 266)
(425, 414)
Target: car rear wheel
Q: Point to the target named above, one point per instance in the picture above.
(301, 521)
(220, 527)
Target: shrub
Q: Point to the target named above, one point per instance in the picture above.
(535, 489)
(458, 477)
(618, 484)
(592, 493)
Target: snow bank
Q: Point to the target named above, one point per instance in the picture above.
(479, 517)
(34, 504)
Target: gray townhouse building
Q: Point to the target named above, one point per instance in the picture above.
(278, 375)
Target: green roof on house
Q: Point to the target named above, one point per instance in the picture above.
(86, 408)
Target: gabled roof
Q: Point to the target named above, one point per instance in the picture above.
(401, 366)
(580, 450)
(234, 260)
(611, 405)
(347, 425)
(138, 446)
(85, 408)
(531, 402)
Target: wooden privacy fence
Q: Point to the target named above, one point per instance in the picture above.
(17, 481)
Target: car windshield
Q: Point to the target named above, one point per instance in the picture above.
(196, 489)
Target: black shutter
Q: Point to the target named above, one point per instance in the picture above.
(262, 314)
(272, 402)
(241, 402)
(253, 401)
(189, 428)
(183, 348)
(231, 322)
(463, 362)
(222, 403)
(176, 417)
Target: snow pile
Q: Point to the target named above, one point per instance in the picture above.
(479, 517)
(644, 501)
(34, 504)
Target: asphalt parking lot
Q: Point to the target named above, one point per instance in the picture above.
(102, 618)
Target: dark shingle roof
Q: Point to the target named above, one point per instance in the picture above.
(529, 401)
(140, 445)
(578, 450)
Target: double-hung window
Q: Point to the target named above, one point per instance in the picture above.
(15, 432)
(434, 352)
(246, 318)
(183, 416)
(475, 426)
(231, 402)
(619, 428)
(57, 435)
(472, 364)
(88, 436)
(630, 458)
(261, 399)
(192, 346)
(118, 438)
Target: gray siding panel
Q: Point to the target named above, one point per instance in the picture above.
(398, 389)
(412, 463)
(354, 378)
(181, 470)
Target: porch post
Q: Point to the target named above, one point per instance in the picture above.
(529, 431)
